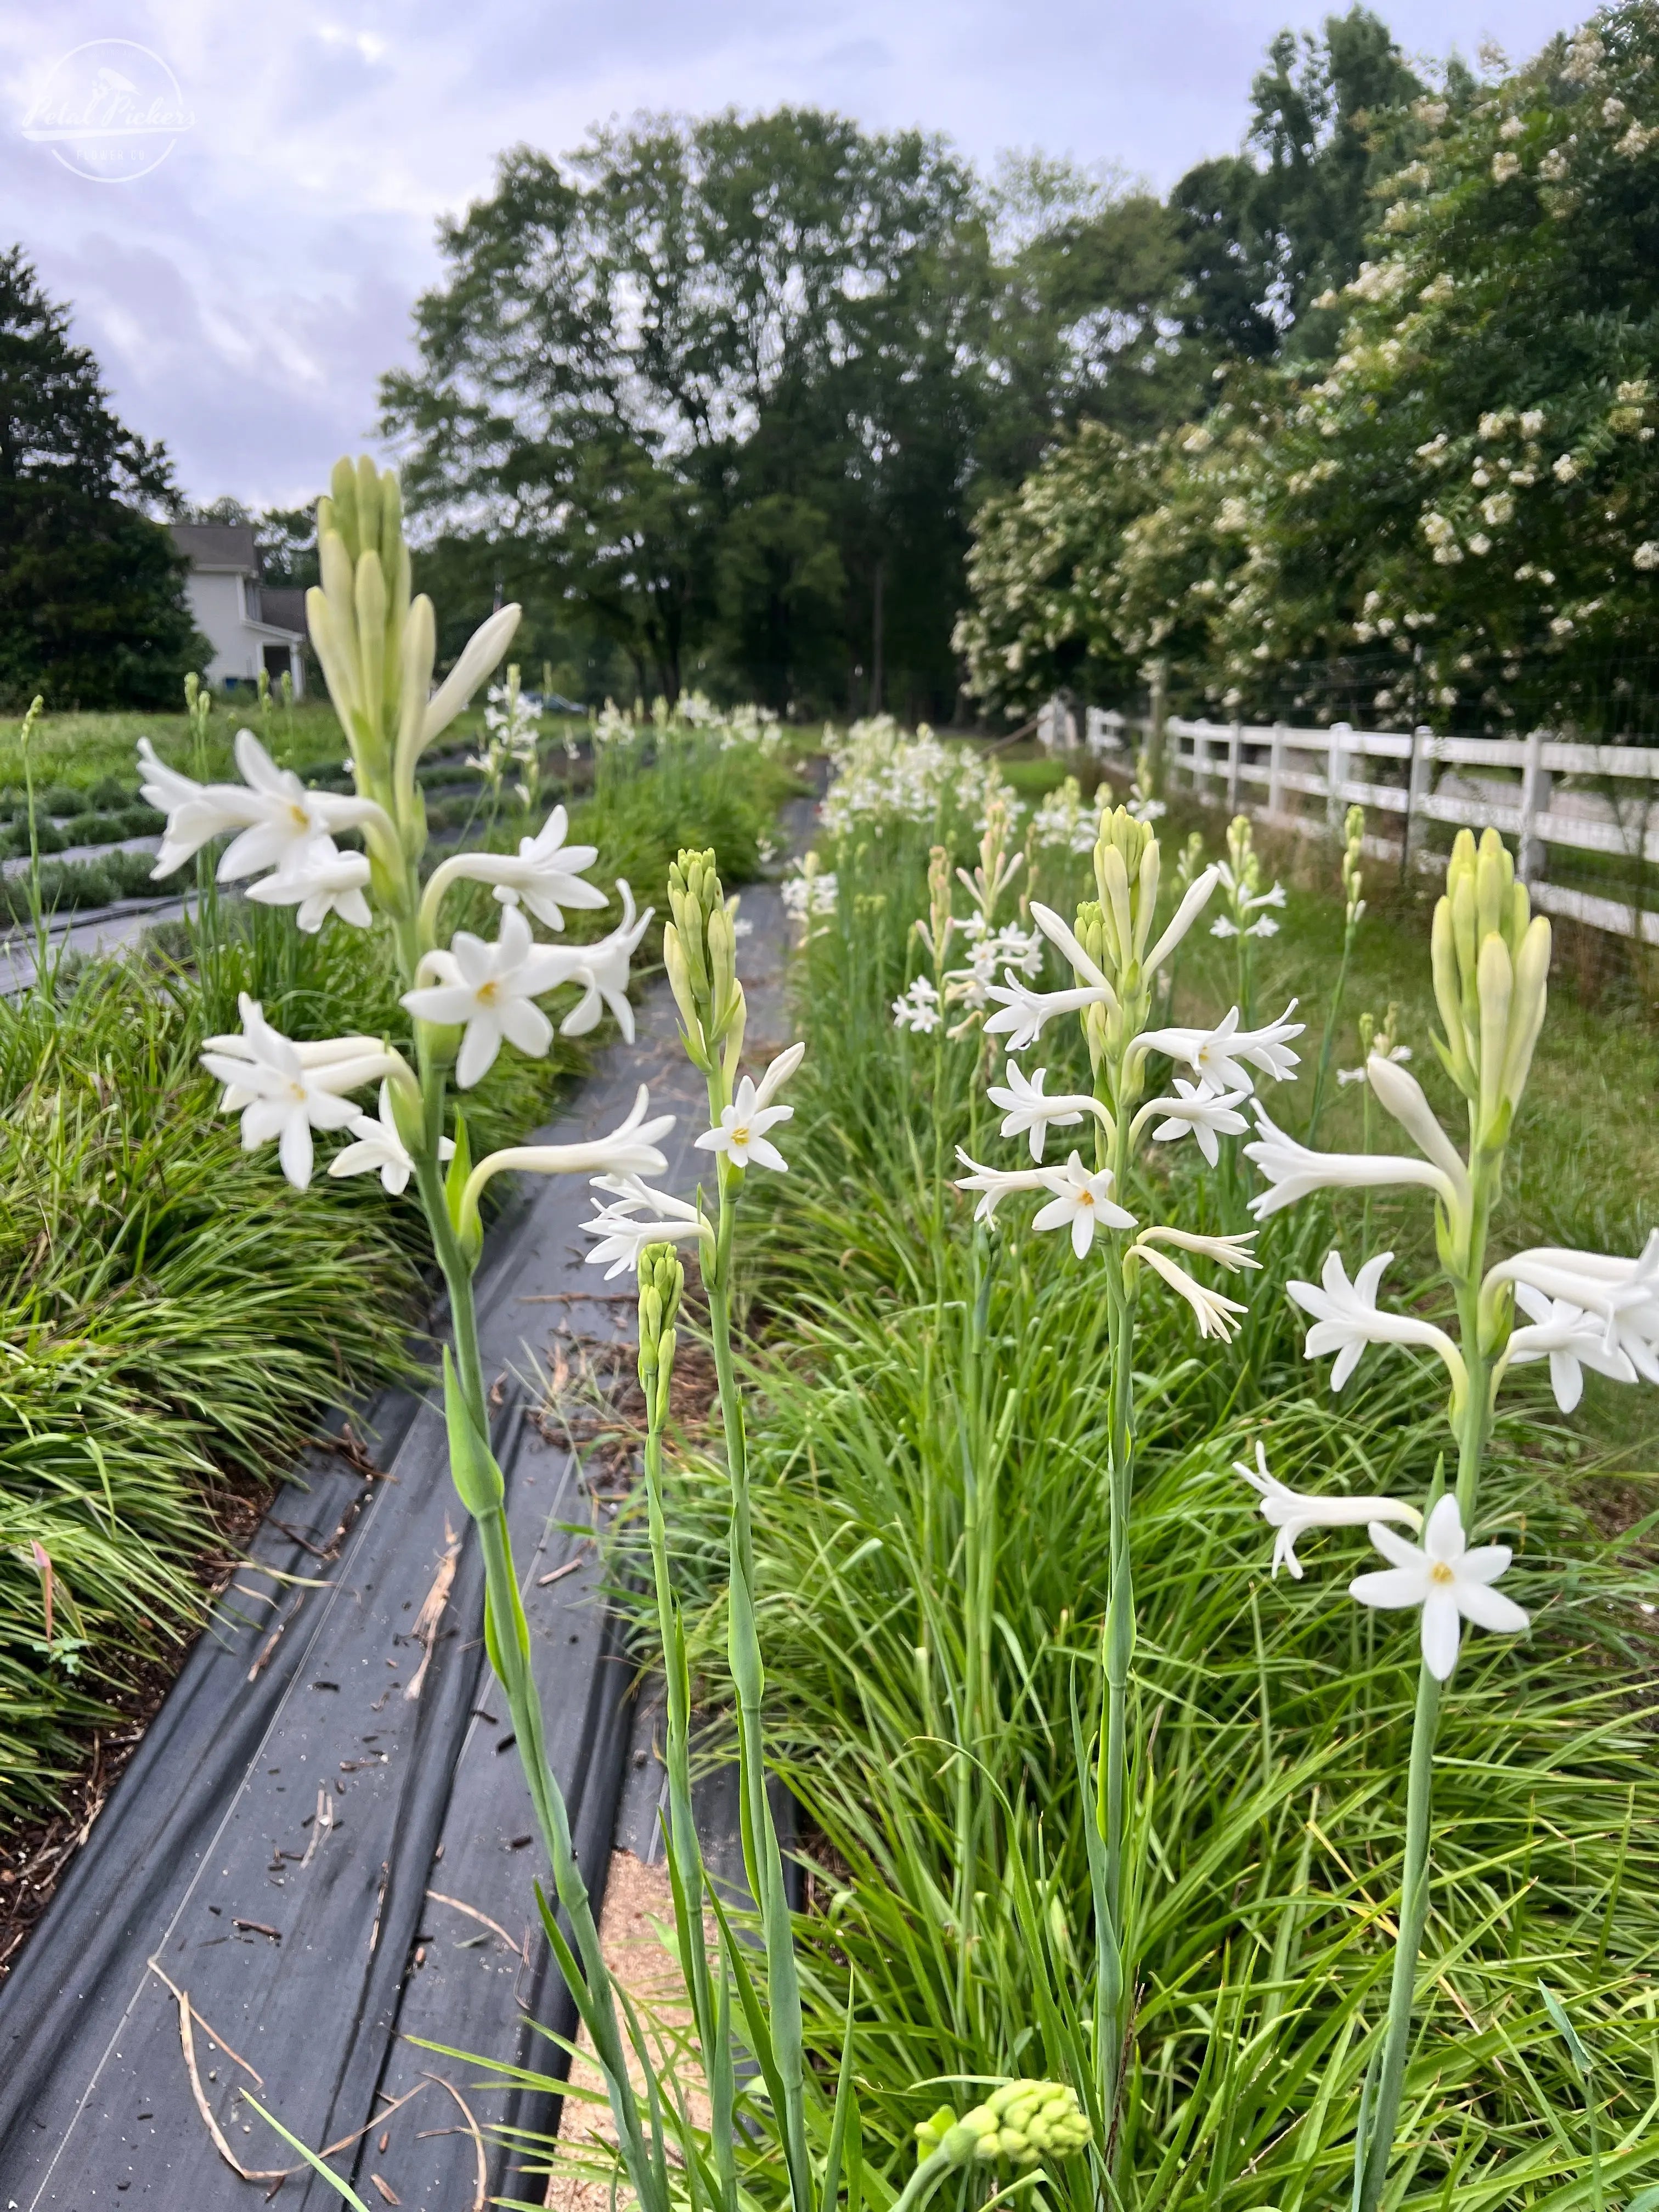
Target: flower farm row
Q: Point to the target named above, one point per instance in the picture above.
(1137, 1874)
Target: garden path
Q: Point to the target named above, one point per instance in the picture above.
(391, 1899)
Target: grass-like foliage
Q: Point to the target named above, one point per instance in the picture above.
(173, 1315)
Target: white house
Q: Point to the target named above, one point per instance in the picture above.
(250, 625)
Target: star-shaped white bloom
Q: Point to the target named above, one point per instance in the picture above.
(602, 969)
(637, 1217)
(741, 1132)
(1029, 1112)
(547, 873)
(1207, 1114)
(380, 1147)
(320, 880)
(1021, 1012)
(918, 1009)
(1451, 1583)
(1223, 1057)
(1347, 1318)
(491, 989)
(196, 813)
(286, 1091)
(1623, 1292)
(1571, 1339)
(1292, 1513)
(280, 821)
(1081, 1202)
(994, 1184)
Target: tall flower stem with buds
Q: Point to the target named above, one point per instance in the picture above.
(1354, 896)
(1491, 962)
(1114, 952)
(700, 953)
(466, 999)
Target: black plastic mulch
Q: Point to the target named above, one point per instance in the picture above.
(323, 1845)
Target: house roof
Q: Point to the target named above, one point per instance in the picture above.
(283, 608)
(225, 547)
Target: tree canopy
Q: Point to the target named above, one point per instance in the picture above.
(92, 607)
(1456, 517)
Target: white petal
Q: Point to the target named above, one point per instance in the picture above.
(1442, 1632)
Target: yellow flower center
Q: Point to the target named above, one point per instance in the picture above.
(488, 993)
(740, 1133)
(301, 820)
(1086, 1198)
(1440, 1572)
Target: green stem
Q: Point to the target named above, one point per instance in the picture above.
(1473, 1427)
(1378, 2150)
(684, 1848)
(763, 1860)
(507, 1638)
(1328, 1043)
(1119, 1634)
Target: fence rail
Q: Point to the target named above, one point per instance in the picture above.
(1547, 794)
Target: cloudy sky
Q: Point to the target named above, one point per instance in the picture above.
(244, 296)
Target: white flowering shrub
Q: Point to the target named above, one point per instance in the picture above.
(1470, 487)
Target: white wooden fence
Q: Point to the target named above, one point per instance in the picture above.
(1545, 794)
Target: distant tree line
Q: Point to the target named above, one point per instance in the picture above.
(725, 400)
(719, 399)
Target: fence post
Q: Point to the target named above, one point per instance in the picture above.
(1336, 775)
(1158, 678)
(1276, 773)
(1417, 790)
(1200, 761)
(1235, 760)
(1532, 857)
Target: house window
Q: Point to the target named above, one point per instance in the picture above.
(278, 663)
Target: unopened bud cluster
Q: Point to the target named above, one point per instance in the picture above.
(1353, 884)
(1491, 957)
(662, 1285)
(1022, 2121)
(700, 952)
(376, 643)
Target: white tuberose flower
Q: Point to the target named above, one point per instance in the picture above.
(380, 1146)
(1292, 1513)
(547, 873)
(1223, 1056)
(1217, 1316)
(1451, 1584)
(1291, 1170)
(1571, 1339)
(1081, 1202)
(602, 968)
(492, 989)
(994, 1184)
(320, 882)
(278, 817)
(636, 1217)
(286, 1091)
(1028, 1112)
(1347, 1318)
(741, 1134)
(1207, 1114)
